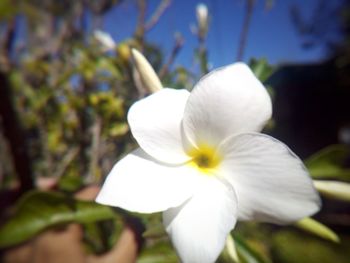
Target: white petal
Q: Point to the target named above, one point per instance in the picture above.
(270, 181)
(155, 122)
(198, 228)
(141, 184)
(226, 101)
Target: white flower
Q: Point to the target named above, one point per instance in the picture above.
(203, 163)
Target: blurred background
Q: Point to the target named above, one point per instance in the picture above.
(67, 79)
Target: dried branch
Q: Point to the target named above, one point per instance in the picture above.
(163, 6)
(245, 28)
(66, 161)
(84, 133)
(179, 41)
(95, 151)
(6, 44)
(15, 135)
(140, 26)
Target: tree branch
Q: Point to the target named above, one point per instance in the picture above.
(179, 41)
(6, 44)
(15, 135)
(163, 6)
(245, 28)
(140, 27)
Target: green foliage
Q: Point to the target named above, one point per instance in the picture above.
(261, 68)
(7, 9)
(37, 211)
(70, 184)
(294, 247)
(155, 231)
(329, 163)
(159, 253)
(100, 237)
(246, 253)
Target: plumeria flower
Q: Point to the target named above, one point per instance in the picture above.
(204, 164)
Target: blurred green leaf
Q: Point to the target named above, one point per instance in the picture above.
(159, 253)
(69, 183)
(294, 247)
(102, 236)
(37, 211)
(314, 227)
(261, 68)
(329, 163)
(155, 231)
(118, 129)
(105, 63)
(246, 253)
(8, 9)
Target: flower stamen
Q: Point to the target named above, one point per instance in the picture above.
(204, 158)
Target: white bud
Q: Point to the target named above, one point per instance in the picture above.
(333, 189)
(312, 226)
(104, 39)
(202, 17)
(146, 73)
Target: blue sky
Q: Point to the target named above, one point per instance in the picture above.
(272, 33)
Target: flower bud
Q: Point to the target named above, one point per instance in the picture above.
(202, 17)
(333, 189)
(312, 226)
(146, 73)
(104, 39)
(123, 50)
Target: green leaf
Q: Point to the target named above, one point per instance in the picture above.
(102, 236)
(294, 247)
(246, 253)
(158, 253)
(155, 231)
(329, 163)
(8, 9)
(37, 211)
(314, 227)
(261, 68)
(70, 183)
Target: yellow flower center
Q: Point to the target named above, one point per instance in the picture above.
(204, 158)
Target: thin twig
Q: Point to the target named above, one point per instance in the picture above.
(140, 27)
(203, 57)
(245, 28)
(163, 6)
(6, 44)
(84, 140)
(95, 151)
(179, 41)
(66, 161)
